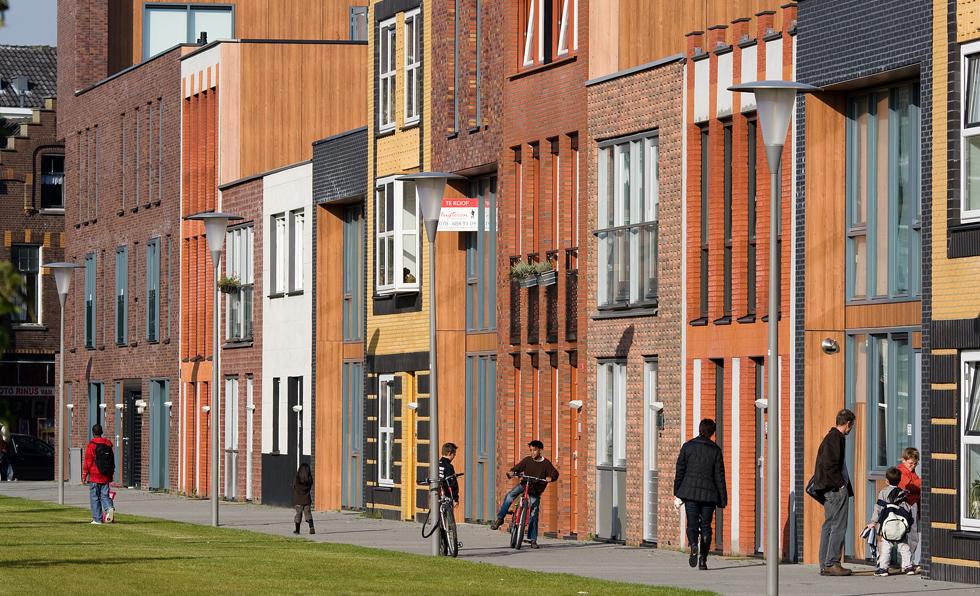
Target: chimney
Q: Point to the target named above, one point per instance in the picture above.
(203, 39)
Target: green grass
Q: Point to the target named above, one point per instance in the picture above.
(50, 549)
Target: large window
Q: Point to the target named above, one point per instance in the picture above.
(549, 30)
(153, 289)
(970, 440)
(727, 213)
(27, 261)
(413, 66)
(386, 75)
(397, 236)
(970, 185)
(750, 278)
(166, 25)
(883, 208)
(52, 182)
(629, 195)
(481, 258)
(611, 414)
(353, 272)
(122, 291)
(90, 295)
(386, 428)
(703, 243)
(279, 266)
(238, 265)
(881, 373)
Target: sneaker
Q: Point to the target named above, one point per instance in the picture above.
(496, 523)
(96, 522)
(692, 560)
(910, 570)
(110, 515)
(534, 544)
(881, 572)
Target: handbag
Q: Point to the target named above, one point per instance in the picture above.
(811, 490)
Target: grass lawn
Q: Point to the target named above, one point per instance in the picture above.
(50, 549)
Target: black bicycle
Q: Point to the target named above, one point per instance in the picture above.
(445, 521)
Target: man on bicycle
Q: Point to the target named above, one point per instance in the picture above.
(446, 469)
(535, 465)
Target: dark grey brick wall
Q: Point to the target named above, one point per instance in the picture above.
(340, 166)
(848, 40)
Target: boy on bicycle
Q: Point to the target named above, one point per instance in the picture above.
(446, 469)
(535, 465)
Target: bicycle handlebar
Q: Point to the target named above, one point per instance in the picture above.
(428, 481)
(526, 477)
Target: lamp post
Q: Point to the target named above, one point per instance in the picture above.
(431, 187)
(215, 226)
(62, 279)
(775, 101)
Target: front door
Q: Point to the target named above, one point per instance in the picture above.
(132, 435)
(159, 434)
(611, 451)
(352, 437)
(651, 430)
(231, 437)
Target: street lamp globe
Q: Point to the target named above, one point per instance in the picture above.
(431, 188)
(62, 276)
(774, 102)
(215, 226)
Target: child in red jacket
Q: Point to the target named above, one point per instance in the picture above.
(912, 484)
(97, 472)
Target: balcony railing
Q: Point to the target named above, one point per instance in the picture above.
(515, 306)
(628, 272)
(571, 294)
(551, 302)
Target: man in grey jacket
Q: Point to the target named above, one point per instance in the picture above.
(831, 479)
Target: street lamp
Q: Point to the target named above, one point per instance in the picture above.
(62, 279)
(431, 188)
(774, 101)
(215, 226)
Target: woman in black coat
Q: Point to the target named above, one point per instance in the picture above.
(302, 486)
(700, 483)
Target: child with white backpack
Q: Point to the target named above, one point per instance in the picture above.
(891, 519)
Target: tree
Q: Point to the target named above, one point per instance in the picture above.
(4, 5)
(11, 297)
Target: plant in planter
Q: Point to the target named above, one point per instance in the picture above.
(228, 285)
(974, 498)
(546, 274)
(524, 273)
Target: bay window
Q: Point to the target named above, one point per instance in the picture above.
(396, 236)
(629, 195)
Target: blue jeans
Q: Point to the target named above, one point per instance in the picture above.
(532, 525)
(98, 498)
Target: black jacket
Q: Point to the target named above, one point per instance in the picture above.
(701, 473)
(829, 472)
(446, 469)
(301, 492)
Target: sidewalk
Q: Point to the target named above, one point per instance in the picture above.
(605, 561)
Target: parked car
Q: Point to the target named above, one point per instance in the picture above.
(32, 458)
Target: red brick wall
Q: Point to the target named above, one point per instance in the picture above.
(540, 104)
(645, 101)
(105, 208)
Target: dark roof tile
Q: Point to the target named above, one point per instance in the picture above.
(38, 63)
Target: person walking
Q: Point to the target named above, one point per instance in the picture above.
(891, 520)
(700, 483)
(100, 465)
(912, 484)
(831, 480)
(6, 454)
(302, 486)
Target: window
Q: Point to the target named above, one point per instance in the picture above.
(397, 236)
(727, 296)
(549, 29)
(629, 195)
(386, 428)
(353, 273)
(611, 413)
(52, 182)
(153, 289)
(238, 265)
(413, 63)
(881, 372)
(27, 261)
(703, 293)
(883, 210)
(750, 281)
(279, 264)
(296, 239)
(970, 185)
(90, 290)
(166, 25)
(122, 283)
(970, 440)
(275, 414)
(386, 76)
(358, 23)
(481, 255)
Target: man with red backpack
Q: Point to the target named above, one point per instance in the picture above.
(100, 465)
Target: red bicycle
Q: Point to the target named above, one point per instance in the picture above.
(522, 513)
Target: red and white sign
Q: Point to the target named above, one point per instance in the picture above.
(462, 215)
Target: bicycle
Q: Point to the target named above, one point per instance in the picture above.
(446, 521)
(522, 513)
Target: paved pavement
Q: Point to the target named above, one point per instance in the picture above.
(614, 562)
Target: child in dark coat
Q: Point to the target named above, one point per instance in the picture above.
(301, 497)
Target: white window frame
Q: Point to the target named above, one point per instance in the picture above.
(297, 237)
(529, 36)
(398, 236)
(413, 70)
(19, 318)
(386, 77)
(616, 369)
(386, 432)
(567, 24)
(966, 132)
(967, 358)
(279, 262)
(238, 264)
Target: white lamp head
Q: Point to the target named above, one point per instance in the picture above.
(413, 406)
(215, 226)
(70, 407)
(774, 102)
(62, 275)
(575, 404)
(206, 409)
(297, 408)
(118, 406)
(102, 406)
(431, 188)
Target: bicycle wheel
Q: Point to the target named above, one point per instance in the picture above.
(521, 524)
(449, 532)
(513, 529)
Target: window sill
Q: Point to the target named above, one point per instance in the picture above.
(386, 132)
(700, 322)
(276, 295)
(746, 319)
(238, 343)
(966, 534)
(385, 294)
(725, 320)
(625, 313)
(387, 485)
(411, 124)
(765, 318)
(29, 327)
(52, 211)
(452, 135)
(153, 341)
(476, 129)
(294, 293)
(543, 67)
(882, 300)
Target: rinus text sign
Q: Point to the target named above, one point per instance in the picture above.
(26, 391)
(462, 215)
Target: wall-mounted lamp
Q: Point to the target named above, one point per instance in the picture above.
(829, 346)
(140, 405)
(206, 409)
(71, 408)
(103, 406)
(119, 406)
(762, 404)
(297, 408)
(250, 407)
(575, 404)
(170, 406)
(413, 406)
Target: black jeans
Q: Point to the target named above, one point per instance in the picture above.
(699, 516)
